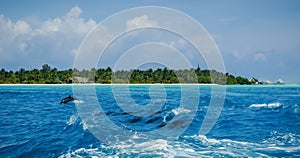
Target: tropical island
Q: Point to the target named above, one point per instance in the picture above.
(48, 75)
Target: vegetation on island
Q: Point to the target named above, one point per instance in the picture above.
(48, 75)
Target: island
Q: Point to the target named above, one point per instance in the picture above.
(48, 75)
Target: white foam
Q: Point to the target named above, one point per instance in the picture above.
(78, 101)
(179, 110)
(153, 145)
(192, 146)
(92, 152)
(270, 105)
(258, 105)
(72, 120)
(204, 139)
(84, 125)
(286, 149)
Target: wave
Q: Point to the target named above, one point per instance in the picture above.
(264, 105)
(75, 121)
(192, 146)
(72, 120)
(179, 110)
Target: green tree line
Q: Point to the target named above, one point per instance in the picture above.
(48, 75)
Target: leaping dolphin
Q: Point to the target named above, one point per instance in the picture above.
(67, 99)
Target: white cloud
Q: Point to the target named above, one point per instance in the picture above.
(74, 12)
(178, 43)
(14, 36)
(237, 54)
(10, 30)
(42, 43)
(141, 21)
(70, 23)
(22, 27)
(260, 56)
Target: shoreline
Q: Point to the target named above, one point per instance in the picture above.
(100, 84)
(141, 84)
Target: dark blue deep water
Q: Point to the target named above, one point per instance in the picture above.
(255, 121)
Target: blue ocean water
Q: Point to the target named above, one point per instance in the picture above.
(254, 121)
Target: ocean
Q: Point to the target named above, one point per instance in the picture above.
(150, 121)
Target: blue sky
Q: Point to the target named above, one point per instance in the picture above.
(259, 38)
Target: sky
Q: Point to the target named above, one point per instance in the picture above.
(259, 38)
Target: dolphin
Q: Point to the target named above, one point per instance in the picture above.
(67, 99)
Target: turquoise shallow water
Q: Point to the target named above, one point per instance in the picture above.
(254, 121)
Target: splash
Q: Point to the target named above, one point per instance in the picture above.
(72, 120)
(78, 101)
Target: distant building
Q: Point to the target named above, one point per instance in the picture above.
(279, 81)
(82, 79)
(267, 82)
